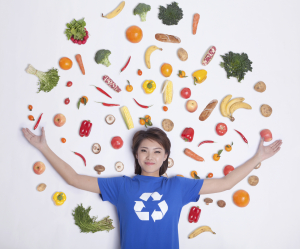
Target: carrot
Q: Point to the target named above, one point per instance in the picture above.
(195, 23)
(193, 155)
(80, 63)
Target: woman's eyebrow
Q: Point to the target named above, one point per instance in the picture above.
(154, 148)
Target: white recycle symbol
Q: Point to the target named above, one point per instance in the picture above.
(156, 215)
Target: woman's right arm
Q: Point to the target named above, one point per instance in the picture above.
(83, 182)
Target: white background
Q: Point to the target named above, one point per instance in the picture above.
(32, 32)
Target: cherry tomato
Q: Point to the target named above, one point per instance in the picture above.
(30, 107)
(69, 83)
(67, 101)
(31, 118)
(210, 175)
(117, 142)
(63, 140)
(185, 93)
(140, 72)
(221, 129)
(165, 108)
(228, 169)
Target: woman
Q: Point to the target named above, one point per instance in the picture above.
(148, 204)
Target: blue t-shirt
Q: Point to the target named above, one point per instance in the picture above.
(149, 208)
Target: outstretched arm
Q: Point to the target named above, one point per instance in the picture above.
(65, 170)
(227, 182)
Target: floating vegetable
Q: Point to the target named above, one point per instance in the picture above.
(127, 117)
(85, 128)
(37, 123)
(194, 214)
(82, 157)
(126, 65)
(102, 91)
(59, 198)
(80, 63)
(149, 86)
(143, 106)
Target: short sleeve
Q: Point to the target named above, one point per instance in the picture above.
(110, 188)
(190, 189)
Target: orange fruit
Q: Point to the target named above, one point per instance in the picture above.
(82, 100)
(166, 70)
(180, 175)
(241, 198)
(228, 147)
(142, 121)
(65, 63)
(193, 173)
(134, 34)
(63, 140)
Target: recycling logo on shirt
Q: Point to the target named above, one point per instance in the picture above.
(156, 215)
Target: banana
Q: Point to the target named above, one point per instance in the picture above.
(223, 105)
(148, 54)
(236, 106)
(116, 11)
(232, 102)
(200, 230)
(168, 91)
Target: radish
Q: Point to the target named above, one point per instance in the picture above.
(72, 38)
(75, 41)
(79, 42)
(86, 32)
(85, 38)
(83, 42)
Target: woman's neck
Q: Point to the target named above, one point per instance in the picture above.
(155, 174)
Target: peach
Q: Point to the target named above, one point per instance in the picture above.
(59, 120)
(39, 168)
(191, 105)
(266, 134)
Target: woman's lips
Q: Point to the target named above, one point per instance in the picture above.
(149, 163)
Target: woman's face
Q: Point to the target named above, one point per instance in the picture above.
(151, 156)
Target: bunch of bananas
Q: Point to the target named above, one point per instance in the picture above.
(229, 106)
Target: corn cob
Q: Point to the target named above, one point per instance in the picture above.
(168, 91)
(127, 117)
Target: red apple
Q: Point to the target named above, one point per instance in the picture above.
(191, 105)
(266, 134)
(59, 120)
(39, 168)
(185, 93)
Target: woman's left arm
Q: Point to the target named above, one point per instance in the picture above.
(227, 182)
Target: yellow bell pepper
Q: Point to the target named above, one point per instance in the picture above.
(199, 76)
(149, 86)
(59, 198)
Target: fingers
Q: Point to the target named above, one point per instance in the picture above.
(276, 144)
(277, 149)
(26, 134)
(261, 142)
(30, 132)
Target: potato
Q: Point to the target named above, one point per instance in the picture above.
(253, 180)
(260, 87)
(182, 54)
(41, 187)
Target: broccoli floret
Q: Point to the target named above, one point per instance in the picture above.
(101, 57)
(236, 65)
(170, 15)
(141, 9)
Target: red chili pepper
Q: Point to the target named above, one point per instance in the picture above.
(106, 104)
(188, 134)
(81, 157)
(37, 123)
(243, 137)
(206, 142)
(99, 89)
(126, 65)
(143, 106)
(85, 128)
(194, 214)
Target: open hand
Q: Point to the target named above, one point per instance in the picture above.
(264, 152)
(38, 142)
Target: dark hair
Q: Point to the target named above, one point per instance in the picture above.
(154, 134)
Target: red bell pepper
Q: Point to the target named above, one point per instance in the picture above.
(188, 134)
(194, 214)
(85, 128)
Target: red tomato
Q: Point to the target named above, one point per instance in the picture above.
(69, 83)
(221, 129)
(185, 93)
(228, 169)
(67, 101)
(117, 142)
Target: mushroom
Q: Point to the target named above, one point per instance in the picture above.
(257, 166)
(99, 168)
(165, 175)
(170, 162)
(221, 203)
(119, 166)
(208, 200)
(110, 119)
(253, 180)
(96, 148)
